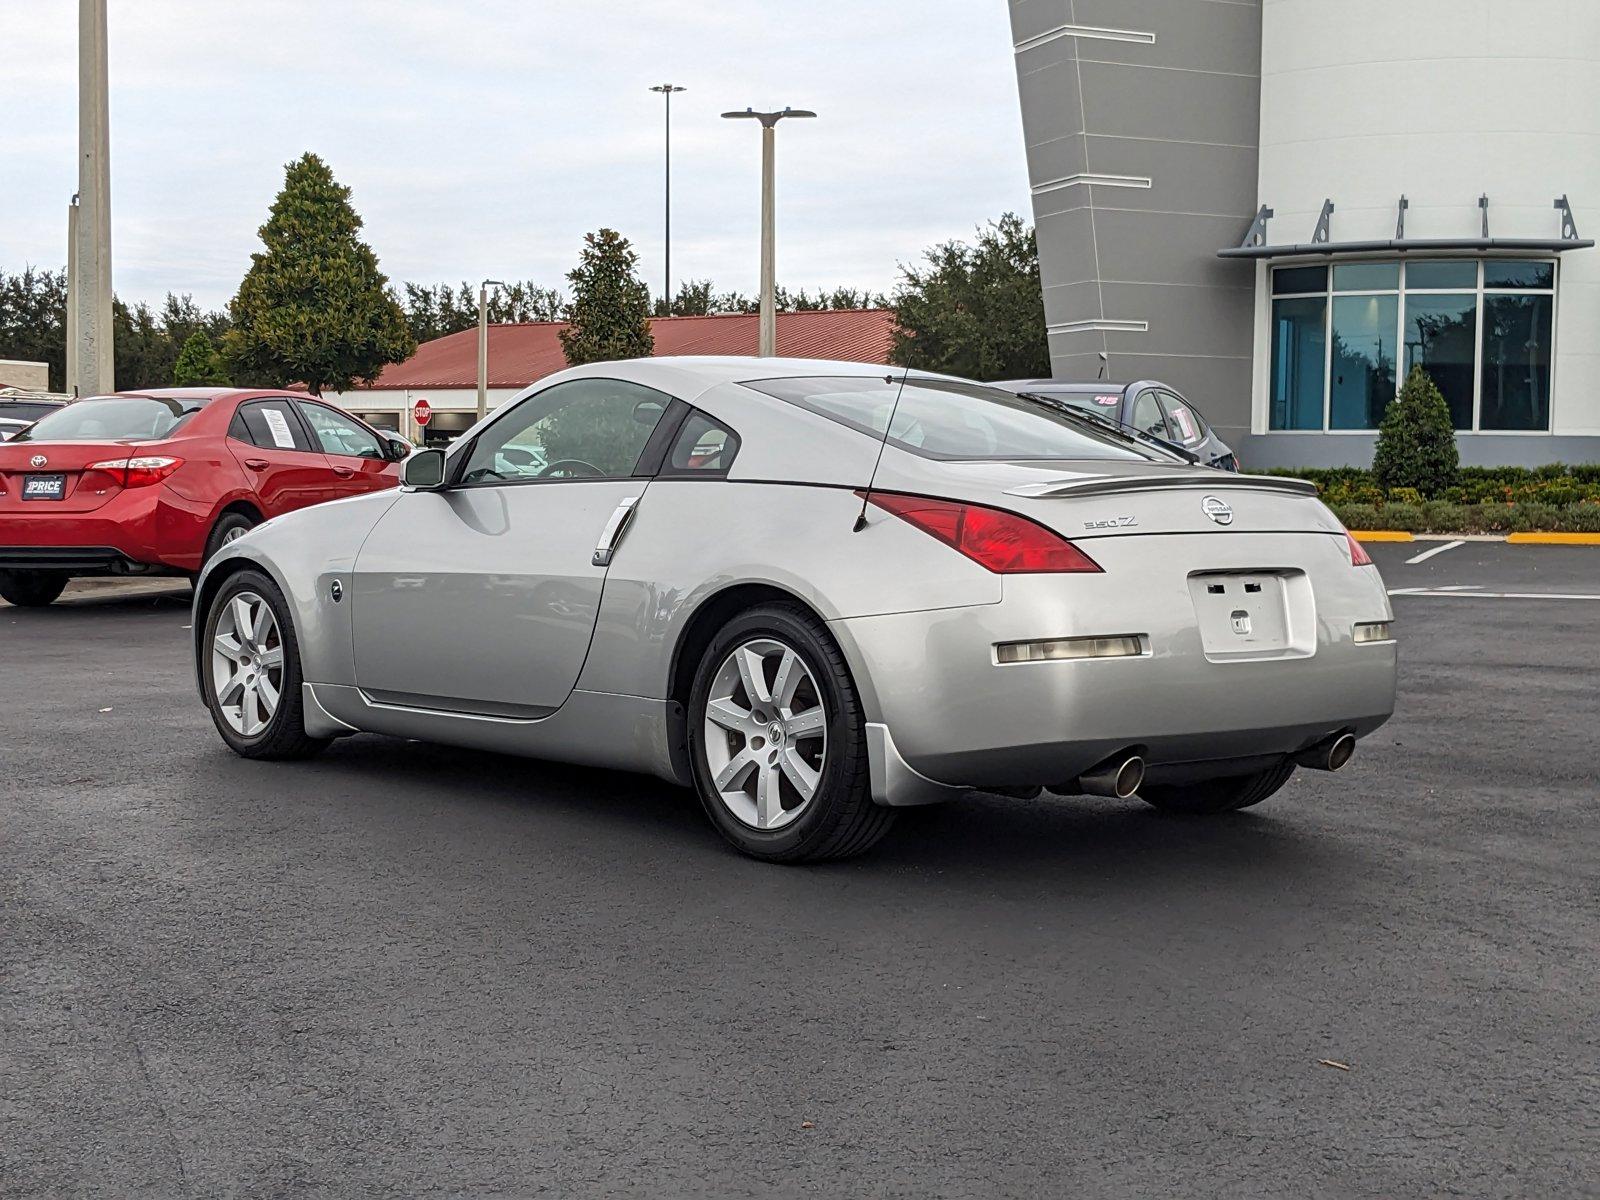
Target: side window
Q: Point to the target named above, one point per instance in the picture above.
(582, 429)
(1186, 425)
(340, 434)
(270, 424)
(1147, 416)
(703, 447)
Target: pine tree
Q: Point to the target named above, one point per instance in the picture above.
(610, 304)
(1417, 441)
(314, 308)
(199, 364)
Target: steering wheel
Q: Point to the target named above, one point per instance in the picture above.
(567, 464)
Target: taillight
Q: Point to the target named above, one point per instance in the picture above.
(138, 472)
(1000, 541)
(1358, 553)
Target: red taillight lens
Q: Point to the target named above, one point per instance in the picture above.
(1358, 553)
(138, 472)
(1000, 541)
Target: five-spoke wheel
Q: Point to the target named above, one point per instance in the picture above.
(247, 663)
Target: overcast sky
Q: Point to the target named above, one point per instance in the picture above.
(485, 137)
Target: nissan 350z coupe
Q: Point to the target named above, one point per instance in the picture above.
(815, 592)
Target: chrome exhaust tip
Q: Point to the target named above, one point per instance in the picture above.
(1118, 777)
(1329, 754)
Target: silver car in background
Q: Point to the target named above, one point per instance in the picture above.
(815, 592)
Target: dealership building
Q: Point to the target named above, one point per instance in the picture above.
(1280, 207)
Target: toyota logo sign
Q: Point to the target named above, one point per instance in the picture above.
(38, 460)
(1217, 510)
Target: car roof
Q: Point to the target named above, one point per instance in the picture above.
(1066, 385)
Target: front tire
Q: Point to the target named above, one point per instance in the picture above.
(31, 589)
(778, 740)
(251, 665)
(1214, 796)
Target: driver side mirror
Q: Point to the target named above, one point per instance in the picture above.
(398, 448)
(423, 471)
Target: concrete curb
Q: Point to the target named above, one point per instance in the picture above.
(1554, 539)
(1381, 535)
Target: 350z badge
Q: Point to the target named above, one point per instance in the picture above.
(1111, 523)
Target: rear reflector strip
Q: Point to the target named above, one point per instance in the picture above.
(1057, 649)
(1374, 631)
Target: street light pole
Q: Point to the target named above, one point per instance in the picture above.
(769, 313)
(667, 89)
(483, 345)
(91, 347)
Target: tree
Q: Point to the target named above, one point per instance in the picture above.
(975, 310)
(199, 364)
(1417, 441)
(314, 308)
(33, 320)
(610, 303)
(438, 310)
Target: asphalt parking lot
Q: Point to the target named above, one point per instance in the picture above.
(407, 970)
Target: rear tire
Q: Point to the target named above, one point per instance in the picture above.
(31, 589)
(819, 723)
(1218, 795)
(229, 527)
(254, 732)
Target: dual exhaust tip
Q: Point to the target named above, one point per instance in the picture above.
(1121, 775)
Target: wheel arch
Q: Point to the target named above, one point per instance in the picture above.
(701, 627)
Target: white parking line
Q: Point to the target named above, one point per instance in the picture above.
(1427, 554)
(1461, 595)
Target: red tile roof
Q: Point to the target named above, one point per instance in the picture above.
(520, 354)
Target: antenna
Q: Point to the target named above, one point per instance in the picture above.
(861, 517)
(1104, 359)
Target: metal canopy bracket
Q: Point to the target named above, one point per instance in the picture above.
(1257, 235)
(1569, 227)
(1255, 241)
(1320, 237)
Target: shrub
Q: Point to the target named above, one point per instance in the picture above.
(1416, 442)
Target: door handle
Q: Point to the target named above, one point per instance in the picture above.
(344, 472)
(256, 464)
(612, 533)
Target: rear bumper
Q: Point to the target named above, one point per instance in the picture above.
(140, 531)
(959, 718)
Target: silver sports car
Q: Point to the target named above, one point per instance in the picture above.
(815, 592)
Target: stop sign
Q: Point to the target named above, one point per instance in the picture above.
(421, 412)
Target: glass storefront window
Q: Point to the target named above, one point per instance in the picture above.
(1502, 274)
(1362, 381)
(1345, 335)
(1438, 274)
(1516, 362)
(1440, 332)
(1298, 359)
(1366, 277)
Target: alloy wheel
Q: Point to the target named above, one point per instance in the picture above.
(247, 664)
(766, 733)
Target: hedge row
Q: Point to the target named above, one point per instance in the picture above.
(1442, 516)
(1558, 485)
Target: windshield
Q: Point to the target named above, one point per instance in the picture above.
(953, 419)
(111, 418)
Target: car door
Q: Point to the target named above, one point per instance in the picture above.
(285, 468)
(482, 596)
(1147, 416)
(355, 453)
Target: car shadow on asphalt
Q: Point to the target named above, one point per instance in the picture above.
(981, 835)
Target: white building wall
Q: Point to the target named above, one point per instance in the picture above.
(1440, 100)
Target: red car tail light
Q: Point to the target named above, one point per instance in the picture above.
(1358, 553)
(138, 472)
(1000, 541)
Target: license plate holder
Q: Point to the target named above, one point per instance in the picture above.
(44, 487)
(1253, 614)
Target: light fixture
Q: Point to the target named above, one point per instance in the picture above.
(1059, 649)
(1373, 631)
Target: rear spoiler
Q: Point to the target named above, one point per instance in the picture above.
(1224, 481)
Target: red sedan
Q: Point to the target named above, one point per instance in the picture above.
(152, 483)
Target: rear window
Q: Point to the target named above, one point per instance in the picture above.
(25, 410)
(112, 418)
(954, 419)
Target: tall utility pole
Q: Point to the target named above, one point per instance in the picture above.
(92, 351)
(667, 89)
(769, 313)
(72, 297)
(483, 345)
